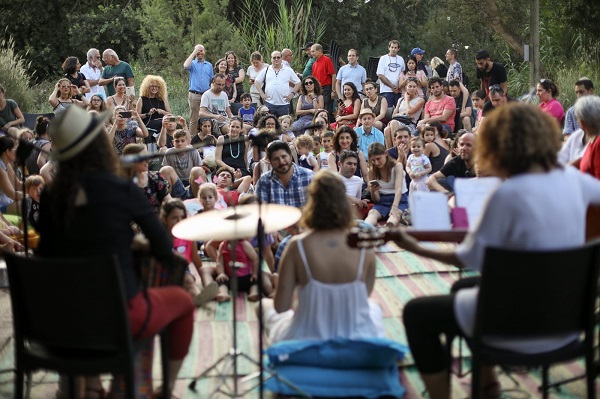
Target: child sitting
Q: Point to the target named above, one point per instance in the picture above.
(208, 144)
(286, 123)
(172, 212)
(304, 146)
(418, 165)
(246, 270)
(247, 112)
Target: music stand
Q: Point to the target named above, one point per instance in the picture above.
(236, 223)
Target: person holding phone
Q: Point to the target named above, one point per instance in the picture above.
(121, 98)
(387, 186)
(64, 95)
(122, 132)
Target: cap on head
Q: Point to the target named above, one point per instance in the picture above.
(417, 50)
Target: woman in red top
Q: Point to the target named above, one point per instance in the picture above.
(587, 112)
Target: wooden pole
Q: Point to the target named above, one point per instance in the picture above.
(534, 48)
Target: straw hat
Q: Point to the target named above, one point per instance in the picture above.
(73, 130)
(366, 111)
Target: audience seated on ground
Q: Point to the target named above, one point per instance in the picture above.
(186, 162)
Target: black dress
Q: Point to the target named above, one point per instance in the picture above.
(233, 154)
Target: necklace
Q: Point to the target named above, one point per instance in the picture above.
(231, 150)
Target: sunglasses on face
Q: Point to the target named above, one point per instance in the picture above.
(309, 83)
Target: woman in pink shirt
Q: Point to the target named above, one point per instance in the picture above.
(547, 92)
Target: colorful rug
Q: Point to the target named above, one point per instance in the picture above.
(401, 276)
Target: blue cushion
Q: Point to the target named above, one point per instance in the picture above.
(338, 353)
(338, 367)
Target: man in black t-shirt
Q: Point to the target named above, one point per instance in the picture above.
(463, 118)
(490, 73)
(460, 166)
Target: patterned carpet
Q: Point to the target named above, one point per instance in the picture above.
(400, 277)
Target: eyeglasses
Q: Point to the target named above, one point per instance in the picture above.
(412, 80)
(96, 99)
(154, 87)
(276, 57)
(309, 82)
(495, 87)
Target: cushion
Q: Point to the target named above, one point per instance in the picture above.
(338, 367)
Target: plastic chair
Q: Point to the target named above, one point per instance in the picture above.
(64, 324)
(536, 294)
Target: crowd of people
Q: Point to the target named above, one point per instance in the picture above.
(354, 160)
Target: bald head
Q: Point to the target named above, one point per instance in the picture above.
(287, 54)
(466, 145)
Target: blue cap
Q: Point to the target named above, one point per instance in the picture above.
(417, 50)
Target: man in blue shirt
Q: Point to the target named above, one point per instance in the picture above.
(201, 73)
(286, 183)
(351, 72)
(367, 133)
(583, 87)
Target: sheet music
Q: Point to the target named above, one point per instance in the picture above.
(429, 210)
(473, 194)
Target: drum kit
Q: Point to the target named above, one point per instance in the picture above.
(233, 224)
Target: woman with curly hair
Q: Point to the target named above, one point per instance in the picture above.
(518, 143)
(153, 103)
(332, 280)
(236, 71)
(346, 139)
(309, 103)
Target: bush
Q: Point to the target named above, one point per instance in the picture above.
(15, 75)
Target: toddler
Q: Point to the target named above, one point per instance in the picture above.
(304, 146)
(286, 123)
(418, 165)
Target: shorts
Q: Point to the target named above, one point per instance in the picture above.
(384, 206)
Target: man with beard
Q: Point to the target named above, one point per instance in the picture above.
(286, 183)
(459, 166)
(440, 107)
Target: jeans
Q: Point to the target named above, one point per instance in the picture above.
(278, 110)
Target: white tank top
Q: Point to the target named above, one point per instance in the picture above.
(332, 310)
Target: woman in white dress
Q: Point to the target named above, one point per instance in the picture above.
(332, 280)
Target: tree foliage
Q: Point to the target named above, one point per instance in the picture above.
(286, 26)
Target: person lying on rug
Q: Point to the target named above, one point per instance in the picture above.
(332, 280)
(516, 217)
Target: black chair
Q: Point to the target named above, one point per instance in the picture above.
(536, 294)
(64, 324)
(31, 118)
(372, 69)
(334, 54)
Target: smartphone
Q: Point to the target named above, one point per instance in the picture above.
(125, 114)
(130, 91)
(340, 102)
(374, 183)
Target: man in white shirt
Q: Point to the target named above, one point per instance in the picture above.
(352, 72)
(215, 104)
(388, 71)
(278, 91)
(92, 70)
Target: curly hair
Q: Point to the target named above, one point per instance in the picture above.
(327, 207)
(154, 80)
(304, 141)
(316, 85)
(355, 95)
(170, 205)
(515, 137)
(339, 132)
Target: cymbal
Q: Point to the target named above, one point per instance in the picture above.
(236, 222)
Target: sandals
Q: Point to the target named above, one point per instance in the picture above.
(207, 294)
